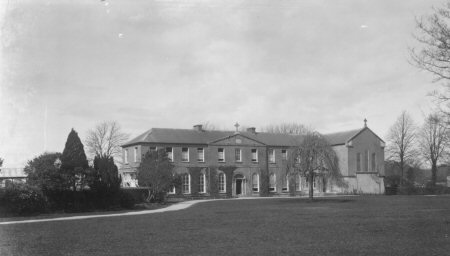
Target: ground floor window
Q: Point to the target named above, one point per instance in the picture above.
(272, 183)
(255, 182)
(285, 184)
(298, 183)
(172, 189)
(307, 182)
(186, 184)
(222, 182)
(201, 183)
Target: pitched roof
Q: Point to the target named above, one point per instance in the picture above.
(191, 136)
(338, 138)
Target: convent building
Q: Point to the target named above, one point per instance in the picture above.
(228, 164)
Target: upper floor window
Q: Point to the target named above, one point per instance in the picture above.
(374, 162)
(125, 156)
(358, 162)
(184, 154)
(200, 155)
(222, 182)
(201, 183)
(284, 154)
(221, 154)
(135, 153)
(255, 182)
(272, 183)
(272, 155)
(152, 148)
(169, 152)
(238, 155)
(254, 155)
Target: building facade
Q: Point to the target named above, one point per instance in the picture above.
(250, 163)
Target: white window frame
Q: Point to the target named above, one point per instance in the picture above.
(254, 155)
(201, 186)
(201, 157)
(188, 185)
(223, 154)
(135, 154)
(257, 182)
(307, 183)
(286, 189)
(172, 190)
(298, 180)
(274, 188)
(224, 190)
(169, 153)
(125, 156)
(272, 156)
(284, 155)
(240, 155)
(187, 153)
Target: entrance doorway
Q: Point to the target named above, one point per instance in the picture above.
(238, 187)
(239, 182)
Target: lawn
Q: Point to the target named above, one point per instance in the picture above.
(367, 225)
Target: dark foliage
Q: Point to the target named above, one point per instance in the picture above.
(138, 194)
(427, 190)
(23, 200)
(156, 173)
(89, 200)
(73, 161)
(105, 176)
(43, 171)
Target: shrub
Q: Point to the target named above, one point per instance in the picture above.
(409, 190)
(126, 200)
(23, 200)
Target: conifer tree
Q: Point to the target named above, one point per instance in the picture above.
(106, 174)
(74, 163)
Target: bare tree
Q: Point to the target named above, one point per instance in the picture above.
(401, 142)
(314, 157)
(209, 126)
(433, 55)
(105, 140)
(286, 128)
(434, 140)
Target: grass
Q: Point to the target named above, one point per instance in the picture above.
(369, 225)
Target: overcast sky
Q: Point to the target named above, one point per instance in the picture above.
(326, 64)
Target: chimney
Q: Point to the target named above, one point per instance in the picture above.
(198, 127)
(252, 130)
